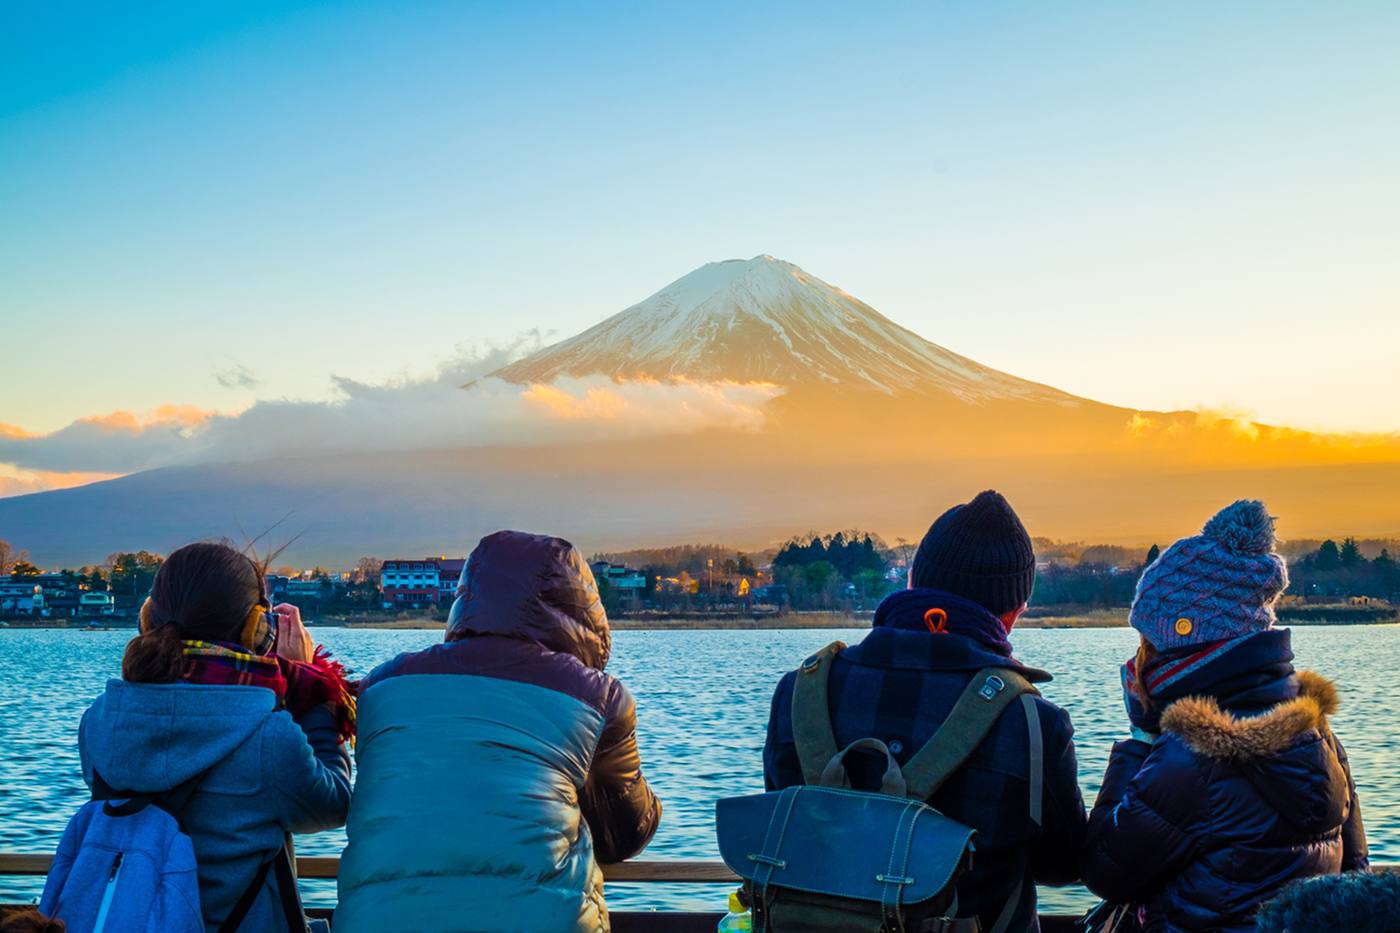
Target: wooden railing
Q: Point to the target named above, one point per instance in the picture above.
(327, 866)
(682, 871)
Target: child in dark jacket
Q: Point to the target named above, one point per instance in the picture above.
(1232, 784)
(229, 693)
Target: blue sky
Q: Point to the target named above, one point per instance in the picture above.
(1157, 205)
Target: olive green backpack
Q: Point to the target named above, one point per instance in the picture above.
(822, 858)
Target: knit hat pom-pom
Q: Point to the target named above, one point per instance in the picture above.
(1245, 527)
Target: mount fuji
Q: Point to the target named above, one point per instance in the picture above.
(866, 424)
(766, 320)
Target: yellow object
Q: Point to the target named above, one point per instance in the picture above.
(254, 627)
(1184, 626)
(736, 906)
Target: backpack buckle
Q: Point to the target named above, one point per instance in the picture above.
(991, 687)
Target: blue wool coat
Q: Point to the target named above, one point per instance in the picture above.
(265, 775)
(1229, 804)
(898, 685)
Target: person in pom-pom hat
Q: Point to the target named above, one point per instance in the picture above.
(1232, 783)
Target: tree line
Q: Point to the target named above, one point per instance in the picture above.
(1342, 570)
(839, 570)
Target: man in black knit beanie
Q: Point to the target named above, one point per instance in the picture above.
(980, 551)
(970, 580)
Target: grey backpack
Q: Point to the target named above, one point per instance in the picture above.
(822, 858)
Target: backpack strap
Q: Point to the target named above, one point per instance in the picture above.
(246, 900)
(1036, 775)
(124, 802)
(292, 910)
(989, 693)
(811, 714)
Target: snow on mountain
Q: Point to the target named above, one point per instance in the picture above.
(766, 320)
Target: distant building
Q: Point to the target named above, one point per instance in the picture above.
(21, 597)
(449, 572)
(314, 588)
(61, 594)
(277, 587)
(627, 587)
(618, 576)
(96, 603)
(418, 583)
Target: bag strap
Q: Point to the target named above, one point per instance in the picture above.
(287, 888)
(245, 900)
(171, 801)
(1036, 779)
(292, 910)
(1035, 774)
(811, 714)
(986, 696)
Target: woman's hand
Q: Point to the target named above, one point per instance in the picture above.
(294, 642)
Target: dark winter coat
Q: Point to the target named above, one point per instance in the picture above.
(898, 685)
(1227, 806)
(498, 769)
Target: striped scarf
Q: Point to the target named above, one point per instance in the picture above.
(299, 686)
(1231, 670)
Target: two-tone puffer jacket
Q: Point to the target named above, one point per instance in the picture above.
(498, 769)
(1230, 803)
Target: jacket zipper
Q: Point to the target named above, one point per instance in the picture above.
(101, 921)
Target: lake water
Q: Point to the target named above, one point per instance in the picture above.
(703, 699)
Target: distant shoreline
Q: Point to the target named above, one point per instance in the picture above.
(1106, 618)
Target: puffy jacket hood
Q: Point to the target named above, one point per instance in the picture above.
(536, 588)
(1285, 752)
(154, 737)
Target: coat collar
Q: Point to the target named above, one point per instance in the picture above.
(1216, 733)
(972, 639)
(908, 610)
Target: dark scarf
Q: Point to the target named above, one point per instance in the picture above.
(940, 613)
(299, 686)
(1245, 675)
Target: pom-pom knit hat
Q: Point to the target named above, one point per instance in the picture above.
(1221, 584)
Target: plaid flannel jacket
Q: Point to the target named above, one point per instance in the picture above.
(898, 685)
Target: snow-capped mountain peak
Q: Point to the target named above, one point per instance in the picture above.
(767, 320)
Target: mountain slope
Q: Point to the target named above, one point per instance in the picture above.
(765, 320)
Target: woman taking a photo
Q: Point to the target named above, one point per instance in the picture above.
(226, 706)
(1233, 783)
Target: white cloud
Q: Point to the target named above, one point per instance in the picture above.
(457, 406)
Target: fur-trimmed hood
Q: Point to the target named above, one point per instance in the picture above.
(1215, 733)
(1287, 754)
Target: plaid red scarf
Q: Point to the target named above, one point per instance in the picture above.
(299, 686)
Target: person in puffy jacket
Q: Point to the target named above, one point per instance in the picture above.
(497, 770)
(1232, 784)
(224, 690)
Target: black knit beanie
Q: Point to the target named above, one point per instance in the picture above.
(980, 551)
